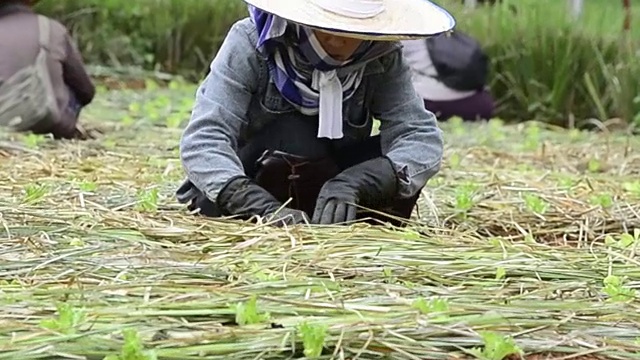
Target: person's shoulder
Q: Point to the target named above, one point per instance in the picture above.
(244, 29)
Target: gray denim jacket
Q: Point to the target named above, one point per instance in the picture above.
(237, 98)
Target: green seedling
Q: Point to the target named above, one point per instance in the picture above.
(34, 193)
(464, 197)
(496, 130)
(388, 275)
(455, 160)
(32, 140)
(88, 186)
(132, 348)
(536, 204)
(135, 108)
(433, 306)
(632, 187)
(148, 200)
(127, 120)
(605, 201)
(614, 287)
(496, 347)
(532, 137)
(594, 166)
(174, 120)
(501, 273)
(247, 312)
(67, 321)
(624, 240)
(313, 339)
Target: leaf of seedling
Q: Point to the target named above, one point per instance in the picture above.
(454, 160)
(536, 204)
(67, 321)
(464, 197)
(501, 273)
(496, 347)
(632, 187)
(34, 193)
(436, 306)
(614, 287)
(532, 137)
(313, 339)
(624, 240)
(593, 165)
(148, 200)
(457, 125)
(247, 313)
(32, 140)
(174, 120)
(132, 348)
(603, 200)
(88, 186)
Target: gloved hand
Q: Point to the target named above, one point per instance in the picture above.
(367, 184)
(241, 196)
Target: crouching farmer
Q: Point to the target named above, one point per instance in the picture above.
(286, 113)
(43, 83)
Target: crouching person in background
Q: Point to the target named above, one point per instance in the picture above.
(450, 73)
(286, 112)
(43, 82)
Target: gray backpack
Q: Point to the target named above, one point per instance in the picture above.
(27, 97)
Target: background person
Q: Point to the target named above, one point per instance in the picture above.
(450, 73)
(70, 84)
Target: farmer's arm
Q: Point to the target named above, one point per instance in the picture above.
(409, 134)
(209, 142)
(75, 74)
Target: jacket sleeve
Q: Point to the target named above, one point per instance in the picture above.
(409, 134)
(209, 142)
(74, 73)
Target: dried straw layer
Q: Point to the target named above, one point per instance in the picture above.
(96, 245)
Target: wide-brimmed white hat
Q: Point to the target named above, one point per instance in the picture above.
(364, 19)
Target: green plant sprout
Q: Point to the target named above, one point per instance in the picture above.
(247, 312)
(32, 141)
(132, 348)
(464, 197)
(88, 186)
(632, 187)
(454, 160)
(34, 193)
(605, 201)
(496, 347)
(501, 273)
(67, 321)
(313, 339)
(148, 200)
(437, 306)
(624, 240)
(536, 204)
(614, 287)
(532, 136)
(594, 166)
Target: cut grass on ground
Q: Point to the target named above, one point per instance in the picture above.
(524, 243)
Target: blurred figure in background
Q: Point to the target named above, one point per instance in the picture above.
(450, 73)
(43, 82)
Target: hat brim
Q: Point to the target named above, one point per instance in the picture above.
(401, 20)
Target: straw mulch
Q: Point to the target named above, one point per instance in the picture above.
(508, 240)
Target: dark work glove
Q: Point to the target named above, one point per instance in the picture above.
(367, 184)
(244, 198)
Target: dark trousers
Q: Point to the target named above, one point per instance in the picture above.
(289, 161)
(65, 126)
(479, 106)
